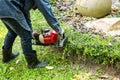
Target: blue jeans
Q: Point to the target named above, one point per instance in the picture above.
(14, 29)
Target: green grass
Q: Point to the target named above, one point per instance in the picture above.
(63, 69)
(17, 69)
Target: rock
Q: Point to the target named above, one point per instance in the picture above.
(108, 25)
(94, 8)
(114, 33)
(116, 3)
(115, 78)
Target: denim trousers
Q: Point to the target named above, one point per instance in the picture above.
(14, 30)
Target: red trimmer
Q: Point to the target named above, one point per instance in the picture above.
(49, 37)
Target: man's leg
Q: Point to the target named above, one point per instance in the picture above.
(9, 39)
(7, 47)
(26, 38)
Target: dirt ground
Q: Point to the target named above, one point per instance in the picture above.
(109, 71)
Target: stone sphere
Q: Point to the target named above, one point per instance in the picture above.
(94, 8)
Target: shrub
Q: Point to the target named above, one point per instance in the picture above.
(99, 49)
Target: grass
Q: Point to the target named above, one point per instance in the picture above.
(63, 69)
(17, 69)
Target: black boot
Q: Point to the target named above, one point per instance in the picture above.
(8, 55)
(32, 61)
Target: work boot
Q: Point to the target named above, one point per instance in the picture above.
(32, 61)
(8, 55)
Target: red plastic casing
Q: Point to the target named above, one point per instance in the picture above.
(51, 38)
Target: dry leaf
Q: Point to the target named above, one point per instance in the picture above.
(17, 61)
(104, 77)
(61, 69)
(11, 68)
(49, 67)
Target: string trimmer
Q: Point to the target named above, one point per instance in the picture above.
(49, 37)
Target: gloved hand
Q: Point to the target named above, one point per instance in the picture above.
(34, 7)
(35, 37)
(62, 39)
(61, 32)
(35, 34)
(60, 35)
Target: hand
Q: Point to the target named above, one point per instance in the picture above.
(34, 7)
(62, 32)
(35, 35)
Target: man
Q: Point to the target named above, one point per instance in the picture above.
(16, 17)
